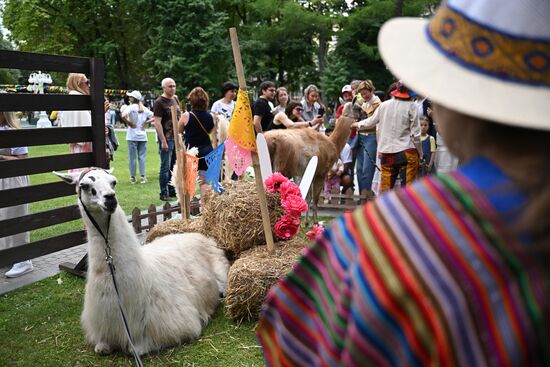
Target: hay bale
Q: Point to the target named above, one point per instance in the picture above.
(251, 276)
(174, 226)
(234, 218)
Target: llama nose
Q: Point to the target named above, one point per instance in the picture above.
(110, 202)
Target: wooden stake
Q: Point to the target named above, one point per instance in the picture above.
(255, 160)
(182, 163)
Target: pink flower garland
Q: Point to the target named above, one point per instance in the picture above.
(291, 201)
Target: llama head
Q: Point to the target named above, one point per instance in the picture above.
(95, 187)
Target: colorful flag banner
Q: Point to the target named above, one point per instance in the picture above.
(214, 162)
(191, 174)
(237, 157)
(241, 128)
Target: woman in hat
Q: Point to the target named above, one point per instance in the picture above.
(453, 269)
(137, 116)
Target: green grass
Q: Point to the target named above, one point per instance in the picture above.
(129, 196)
(39, 326)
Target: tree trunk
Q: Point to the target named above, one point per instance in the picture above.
(322, 52)
(398, 12)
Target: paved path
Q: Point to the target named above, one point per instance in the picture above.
(45, 266)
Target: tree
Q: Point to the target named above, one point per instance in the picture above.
(357, 38)
(110, 29)
(7, 76)
(334, 78)
(189, 42)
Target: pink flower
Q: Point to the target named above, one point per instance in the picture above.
(273, 182)
(286, 227)
(294, 205)
(289, 188)
(315, 232)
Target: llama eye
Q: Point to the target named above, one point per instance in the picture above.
(113, 184)
(84, 186)
(93, 192)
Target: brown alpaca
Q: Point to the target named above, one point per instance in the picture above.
(291, 149)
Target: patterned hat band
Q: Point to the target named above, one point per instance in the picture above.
(488, 51)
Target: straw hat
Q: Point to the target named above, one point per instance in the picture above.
(485, 58)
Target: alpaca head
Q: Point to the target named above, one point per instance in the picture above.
(95, 187)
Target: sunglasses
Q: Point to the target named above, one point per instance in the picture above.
(299, 109)
(272, 90)
(87, 82)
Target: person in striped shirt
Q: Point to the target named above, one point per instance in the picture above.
(453, 269)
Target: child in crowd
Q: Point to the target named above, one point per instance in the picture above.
(428, 148)
(332, 182)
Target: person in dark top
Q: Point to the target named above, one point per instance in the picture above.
(262, 108)
(165, 132)
(196, 126)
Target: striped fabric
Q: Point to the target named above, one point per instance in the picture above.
(423, 276)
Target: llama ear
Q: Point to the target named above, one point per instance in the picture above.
(70, 178)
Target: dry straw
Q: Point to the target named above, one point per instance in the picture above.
(233, 219)
(251, 276)
(174, 226)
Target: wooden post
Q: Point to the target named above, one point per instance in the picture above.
(182, 166)
(255, 160)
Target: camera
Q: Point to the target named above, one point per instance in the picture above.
(321, 112)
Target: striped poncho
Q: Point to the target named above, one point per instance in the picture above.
(424, 276)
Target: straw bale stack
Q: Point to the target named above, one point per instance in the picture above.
(175, 226)
(234, 218)
(251, 276)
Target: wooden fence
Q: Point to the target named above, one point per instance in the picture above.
(347, 201)
(94, 69)
(152, 214)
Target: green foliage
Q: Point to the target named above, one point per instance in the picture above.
(188, 41)
(334, 78)
(142, 41)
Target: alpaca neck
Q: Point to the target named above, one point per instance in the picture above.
(340, 135)
(121, 238)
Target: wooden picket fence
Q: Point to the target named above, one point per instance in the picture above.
(152, 214)
(345, 202)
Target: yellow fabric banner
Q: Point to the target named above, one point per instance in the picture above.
(241, 128)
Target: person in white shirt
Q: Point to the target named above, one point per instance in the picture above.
(226, 104)
(398, 137)
(137, 116)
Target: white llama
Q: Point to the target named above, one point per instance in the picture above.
(169, 288)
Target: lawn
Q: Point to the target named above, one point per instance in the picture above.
(39, 326)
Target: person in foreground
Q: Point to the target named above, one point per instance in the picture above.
(453, 269)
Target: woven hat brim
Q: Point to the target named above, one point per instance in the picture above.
(411, 57)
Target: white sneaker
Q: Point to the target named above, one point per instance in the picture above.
(20, 269)
(143, 180)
